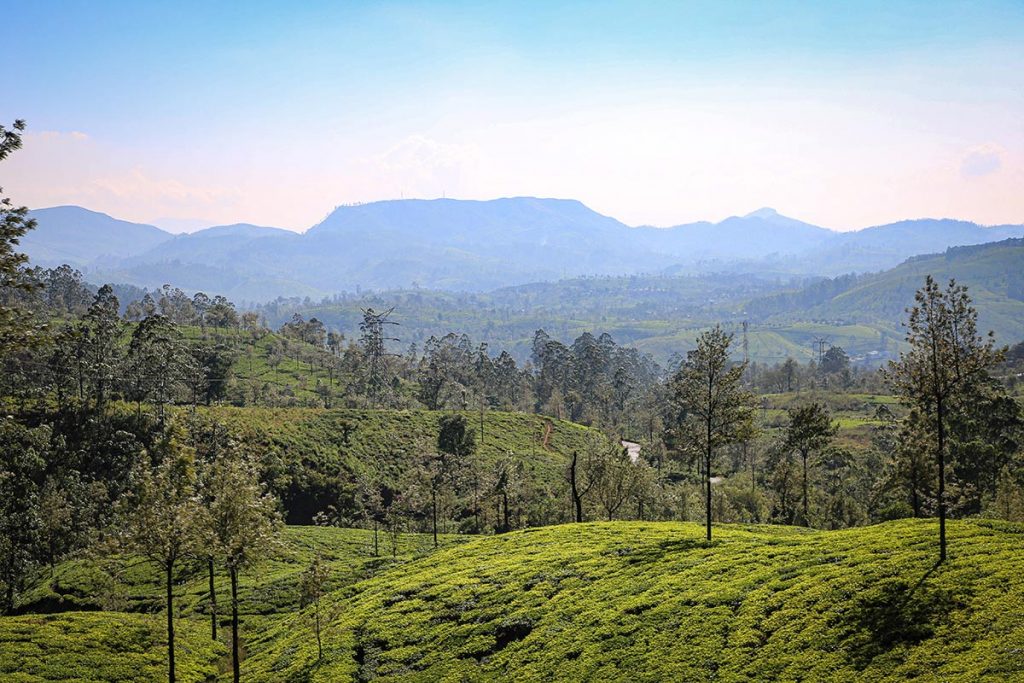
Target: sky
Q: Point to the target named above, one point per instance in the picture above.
(842, 114)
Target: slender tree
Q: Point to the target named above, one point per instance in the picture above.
(715, 410)
(161, 519)
(941, 369)
(810, 430)
(240, 521)
(314, 579)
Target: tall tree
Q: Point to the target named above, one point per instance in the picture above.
(619, 481)
(715, 410)
(102, 328)
(23, 454)
(161, 520)
(940, 371)
(153, 362)
(240, 522)
(312, 585)
(810, 430)
(16, 328)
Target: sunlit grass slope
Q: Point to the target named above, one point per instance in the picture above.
(76, 647)
(306, 444)
(653, 602)
(270, 586)
(128, 641)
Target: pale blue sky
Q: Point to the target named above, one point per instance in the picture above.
(844, 114)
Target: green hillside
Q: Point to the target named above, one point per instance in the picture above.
(653, 602)
(99, 618)
(83, 647)
(992, 272)
(309, 452)
(603, 602)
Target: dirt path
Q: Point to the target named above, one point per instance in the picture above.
(633, 449)
(547, 436)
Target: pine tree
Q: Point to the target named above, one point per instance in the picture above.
(946, 360)
(16, 328)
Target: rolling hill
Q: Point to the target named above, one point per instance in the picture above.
(611, 601)
(993, 273)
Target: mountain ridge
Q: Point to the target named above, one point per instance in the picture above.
(471, 245)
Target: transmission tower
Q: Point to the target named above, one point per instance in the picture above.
(819, 343)
(746, 342)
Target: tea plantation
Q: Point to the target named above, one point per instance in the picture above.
(603, 602)
(653, 602)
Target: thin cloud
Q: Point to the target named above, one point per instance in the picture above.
(982, 160)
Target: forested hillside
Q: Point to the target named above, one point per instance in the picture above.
(992, 271)
(663, 315)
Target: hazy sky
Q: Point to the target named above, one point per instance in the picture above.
(844, 114)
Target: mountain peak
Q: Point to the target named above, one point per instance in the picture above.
(763, 212)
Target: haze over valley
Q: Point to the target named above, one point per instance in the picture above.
(546, 396)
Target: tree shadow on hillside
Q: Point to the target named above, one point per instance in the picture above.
(896, 613)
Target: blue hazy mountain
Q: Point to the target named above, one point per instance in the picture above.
(79, 237)
(472, 246)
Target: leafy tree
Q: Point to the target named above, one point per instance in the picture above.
(940, 372)
(618, 482)
(213, 364)
(101, 335)
(23, 454)
(783, 480)
(240, 521)
(835, 360)
(162, 516)
(57, 523)
(810, 430)
(153, 363)
(16, 328)
(716, 411)
(455, 436)
(312, 585)
(371, 502)
(437, 474)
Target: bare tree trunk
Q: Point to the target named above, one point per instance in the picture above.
(803, 456)
(235, 669)
(213, 603)
(707, 476)
(576, 498)
(942, 481)
(319, 643)
(433, 513)
(170, 623)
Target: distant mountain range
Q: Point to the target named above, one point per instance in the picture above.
(470, 246)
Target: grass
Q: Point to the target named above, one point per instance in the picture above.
(652, 602)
